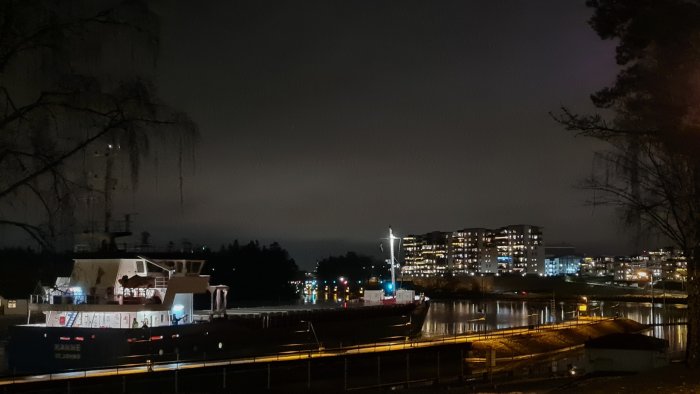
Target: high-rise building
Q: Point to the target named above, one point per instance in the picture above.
(520, 249)
(515, 249)
(425, 255)
(472, 251)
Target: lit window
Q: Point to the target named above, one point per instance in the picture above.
(12, 304)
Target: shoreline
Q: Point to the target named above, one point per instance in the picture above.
(671, 299)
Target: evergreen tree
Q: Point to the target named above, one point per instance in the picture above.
(652, 169)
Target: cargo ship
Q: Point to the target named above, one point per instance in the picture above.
(136, 310)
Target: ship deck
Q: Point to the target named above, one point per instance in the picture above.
(291, 309)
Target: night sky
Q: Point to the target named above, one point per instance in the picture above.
(324, 122)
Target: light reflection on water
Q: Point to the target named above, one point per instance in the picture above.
(452, 317)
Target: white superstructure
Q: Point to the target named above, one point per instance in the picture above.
(122, 293)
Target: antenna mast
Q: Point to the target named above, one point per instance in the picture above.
(391, 261)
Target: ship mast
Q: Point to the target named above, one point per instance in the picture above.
(391, 261)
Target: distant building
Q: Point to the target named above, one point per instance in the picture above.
(663, 264)
(599, 266)
(515, 249)
(563, 265)
(668, 264)
(520, 249)
(561, 260)
(426, 255)
(627, 269)
(17, 307)
(472, 251)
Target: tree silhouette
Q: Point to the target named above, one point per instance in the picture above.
(652, 168)
(352, 266)
(254, 272)
(76, 101)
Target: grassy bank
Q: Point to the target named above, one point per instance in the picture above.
(544, 341)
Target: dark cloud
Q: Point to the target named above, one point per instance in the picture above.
(324, 122)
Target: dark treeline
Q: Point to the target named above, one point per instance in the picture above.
(253, 272)
(352, 266)
(23, 270)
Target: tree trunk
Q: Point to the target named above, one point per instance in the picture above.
(693, 337)
(692, 354)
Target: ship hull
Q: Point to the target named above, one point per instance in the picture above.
(33, 349)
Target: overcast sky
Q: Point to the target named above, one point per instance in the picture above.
(322, 123)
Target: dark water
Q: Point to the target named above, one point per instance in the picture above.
(469, 316)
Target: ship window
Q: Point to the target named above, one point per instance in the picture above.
(179, 267)
(12, 304)
(140, 268)
(196, 266)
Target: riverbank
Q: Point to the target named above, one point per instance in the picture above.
(542, 341)
(535, 363)
(544, 297)
(536, 288)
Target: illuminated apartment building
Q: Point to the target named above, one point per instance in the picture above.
(562, 265)
(563, 260)
(425, 255)
(520, 249)
(662, 264)
(668, 264)
(598, 266)
(515, 249)
(472, 251)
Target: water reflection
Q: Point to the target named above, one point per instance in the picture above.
(467, 316)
